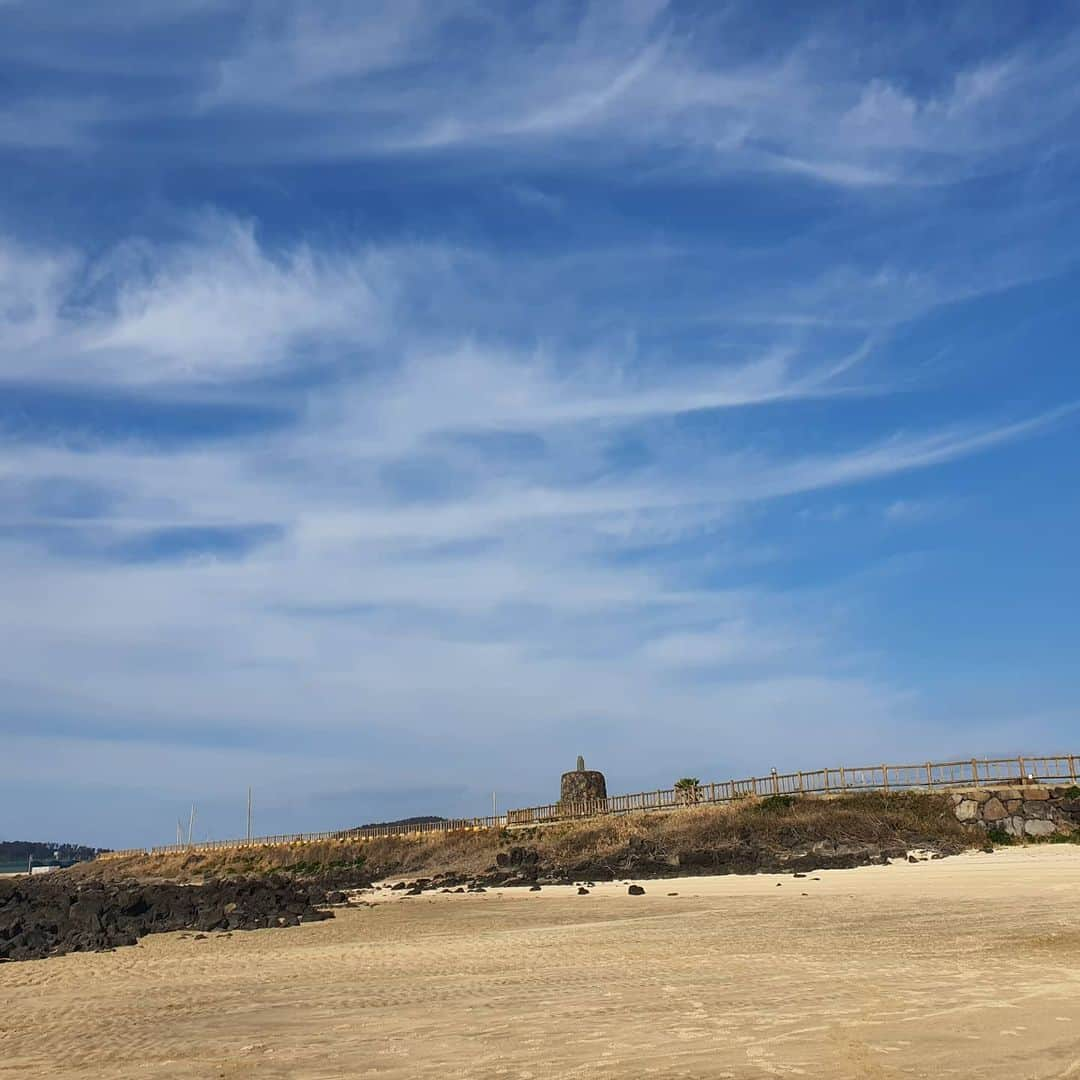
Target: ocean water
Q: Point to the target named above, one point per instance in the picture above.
(12, 868)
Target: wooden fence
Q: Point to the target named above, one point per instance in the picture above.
(367, 833)
(929, 776)
(973, 772)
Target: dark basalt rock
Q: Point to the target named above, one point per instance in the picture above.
(518, 856)
(521, 867)
(638, 859)
(48, 916)
(636, 890)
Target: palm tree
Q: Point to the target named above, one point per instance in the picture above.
(688, 790)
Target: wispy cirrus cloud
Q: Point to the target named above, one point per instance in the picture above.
(467, 509)
(630, 74)
(396, 378)
(602, 80)
(222, 307)
(209, 311)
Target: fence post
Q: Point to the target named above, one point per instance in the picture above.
(952, 774)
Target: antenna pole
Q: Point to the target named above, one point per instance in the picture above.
(191, 825)
(249, 815)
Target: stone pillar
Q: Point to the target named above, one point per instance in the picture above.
(582, 785)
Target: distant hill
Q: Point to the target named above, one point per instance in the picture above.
(403, 821)
(18, 852)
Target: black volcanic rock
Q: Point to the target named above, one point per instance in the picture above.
(52, 915)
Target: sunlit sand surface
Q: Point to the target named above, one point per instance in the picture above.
(963, 967)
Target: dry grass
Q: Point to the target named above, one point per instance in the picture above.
(465, 852)
(781, 823)
(909, 818)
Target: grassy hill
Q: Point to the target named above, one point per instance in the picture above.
(17, 853)
(754, 834)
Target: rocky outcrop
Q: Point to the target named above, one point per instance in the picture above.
(525, 867)
(643, 860)
(48, 916)
(1027, 812)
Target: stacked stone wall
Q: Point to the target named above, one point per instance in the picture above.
(1030, 811)
(582, 785)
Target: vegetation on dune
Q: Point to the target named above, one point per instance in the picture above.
(423, 819)
(42, 851)
(778, 823)
(688, 790)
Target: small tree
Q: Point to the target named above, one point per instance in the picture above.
(688, 790)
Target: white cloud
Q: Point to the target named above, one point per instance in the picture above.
(225, 306)
(734, 644)
(606, 82)
(509, 490)
(615, 78)
(311, 46)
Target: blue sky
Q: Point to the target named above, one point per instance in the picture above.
(399, 400)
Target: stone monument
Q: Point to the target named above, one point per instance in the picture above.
(582, 785)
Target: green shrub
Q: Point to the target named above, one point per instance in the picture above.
(776, 803)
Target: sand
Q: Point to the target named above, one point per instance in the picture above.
(962, 967)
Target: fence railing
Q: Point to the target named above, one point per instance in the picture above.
(972, 772)
(369, 832)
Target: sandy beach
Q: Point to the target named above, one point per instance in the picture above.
(961, 967)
